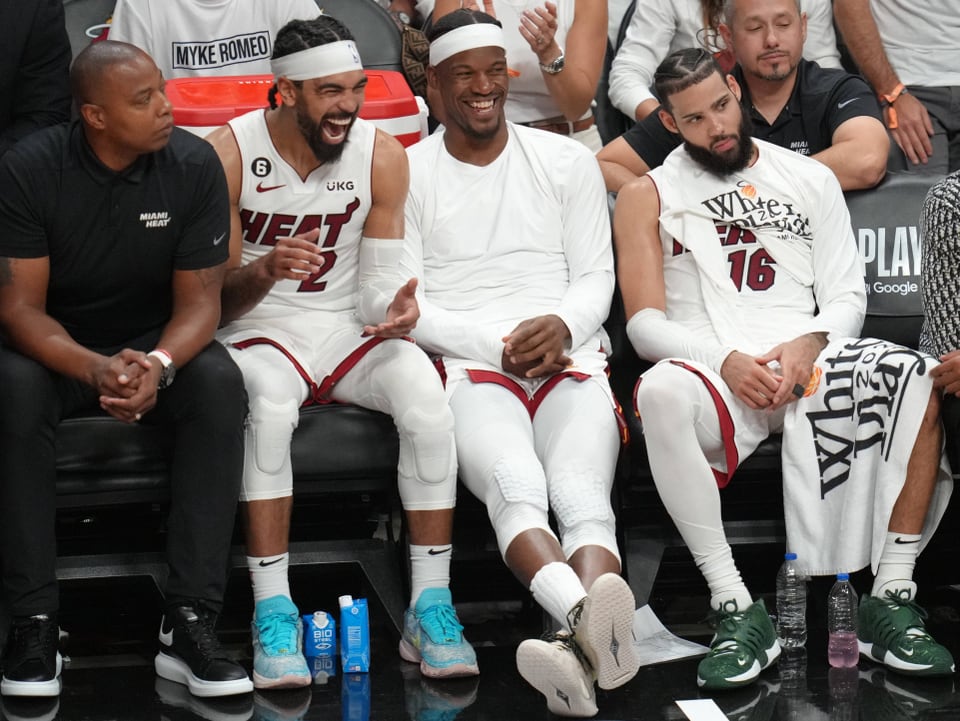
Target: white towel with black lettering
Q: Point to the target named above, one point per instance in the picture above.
(845, 453)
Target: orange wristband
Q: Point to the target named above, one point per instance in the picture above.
(887, 102)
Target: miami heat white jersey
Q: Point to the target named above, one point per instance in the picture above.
(276, 203)
(764, 220)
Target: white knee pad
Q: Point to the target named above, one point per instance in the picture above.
(580, 500)
(428, 459)
(266, 468)
(515, 506)
(516, 501)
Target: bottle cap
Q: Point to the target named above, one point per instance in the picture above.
(790, 556)
(843, 576)
(345, 601)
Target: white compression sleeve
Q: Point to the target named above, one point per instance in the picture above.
(655, 338)
(379, 277)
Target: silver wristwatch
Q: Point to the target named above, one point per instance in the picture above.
(555, 67)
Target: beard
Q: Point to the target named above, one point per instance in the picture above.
(475, 133)
(313, 134)
(780, 71)
(733, 160)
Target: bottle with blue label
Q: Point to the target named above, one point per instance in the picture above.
(354, 635)
(320, 645)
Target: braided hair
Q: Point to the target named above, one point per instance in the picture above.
(681, 70)
(299, 35)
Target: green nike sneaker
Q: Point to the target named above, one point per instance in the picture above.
(891, 632)
(744, 645)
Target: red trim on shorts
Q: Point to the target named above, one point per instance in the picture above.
(727, 430)
(344, 367)
(319, 393)
(441, 369)
(249, 342)
(531, 404)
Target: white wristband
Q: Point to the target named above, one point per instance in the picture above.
(161, 355)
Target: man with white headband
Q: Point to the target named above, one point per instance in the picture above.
(315, 311)
(508, 233)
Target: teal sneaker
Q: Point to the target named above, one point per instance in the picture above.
(891, 631)
(277, 634)
(433, 637)
(744, 645)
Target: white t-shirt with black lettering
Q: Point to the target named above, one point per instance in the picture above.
(190, 38)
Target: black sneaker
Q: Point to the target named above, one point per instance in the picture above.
(190, 654)
(32, 663)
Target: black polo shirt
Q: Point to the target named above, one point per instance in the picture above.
(113, 239)
(822, 100)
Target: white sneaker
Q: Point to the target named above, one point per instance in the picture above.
(555, 669)
(603, 627)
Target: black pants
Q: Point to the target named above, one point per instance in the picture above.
(204, 409)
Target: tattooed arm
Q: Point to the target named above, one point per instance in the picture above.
(196, 312)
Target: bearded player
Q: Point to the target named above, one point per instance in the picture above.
(315, 311)
(741, 279)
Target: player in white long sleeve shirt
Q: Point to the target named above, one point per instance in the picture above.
(741, 279)
(507, 232)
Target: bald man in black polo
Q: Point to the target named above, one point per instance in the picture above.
(112, 253)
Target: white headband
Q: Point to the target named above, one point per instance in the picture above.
(466, 37)
(329, 59)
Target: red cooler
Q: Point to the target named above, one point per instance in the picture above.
(202, 104)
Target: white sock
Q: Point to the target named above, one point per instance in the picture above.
(429, 568)
(557, 588)
(268, 576)
(724, 580)
(897, 561)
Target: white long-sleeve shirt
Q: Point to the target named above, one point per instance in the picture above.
(494, 245)
(751, 259)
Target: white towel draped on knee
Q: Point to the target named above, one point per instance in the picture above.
(845, 453)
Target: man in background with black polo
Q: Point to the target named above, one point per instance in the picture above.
(827, 114)
(113, 235)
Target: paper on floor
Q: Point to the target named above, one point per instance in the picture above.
(655, 644)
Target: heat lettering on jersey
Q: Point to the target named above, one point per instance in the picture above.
(749, 266)
(267, 229)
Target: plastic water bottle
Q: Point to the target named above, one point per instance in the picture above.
(842, 649)
(791, 604)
